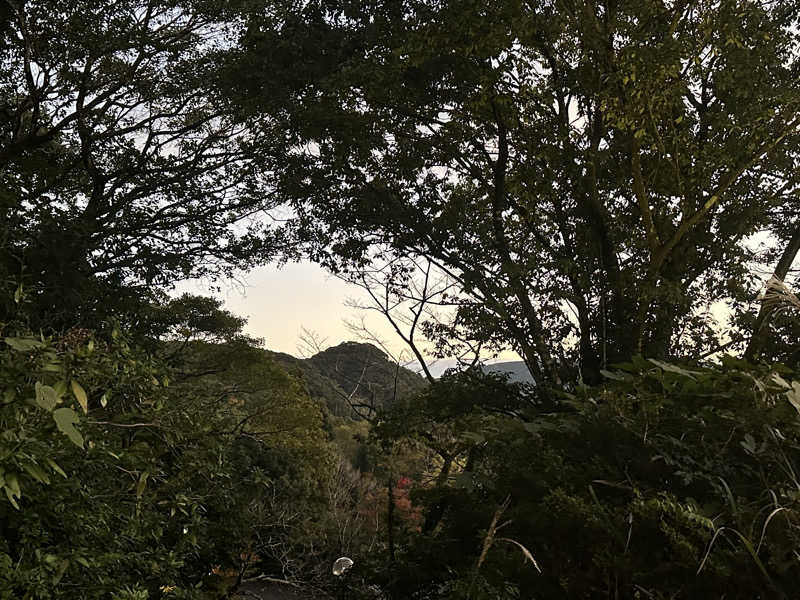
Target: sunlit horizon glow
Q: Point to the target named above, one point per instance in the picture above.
(279, 302)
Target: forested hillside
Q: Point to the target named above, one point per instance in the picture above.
(353, 380)
(610, 189)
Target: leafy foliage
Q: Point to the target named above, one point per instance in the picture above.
(115, 480)
(121, 169)
(589, 175)
(667, 481)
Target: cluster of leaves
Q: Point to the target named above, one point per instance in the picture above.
(664, 482)
(124, 476)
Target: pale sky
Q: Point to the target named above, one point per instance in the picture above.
(279, 302)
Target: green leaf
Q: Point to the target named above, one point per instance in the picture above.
(729, 494)
(536, 427)
(8, 395)
(65, 419)
(793, 395)
(62, 568)
(781, 381)
(61, 388)
(142, 484)
(673, 369)
(12, 489)
(23, 344)
(613, 375)
(53, 465)
(46, 397)
(475, 437)
(11, 498)
(52, 367)
(80, 395)
(36, 472)
(749, 444)
(12, 483)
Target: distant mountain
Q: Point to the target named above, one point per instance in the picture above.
(440, 366)
(359, 375)
(352, 375)
(515, 369)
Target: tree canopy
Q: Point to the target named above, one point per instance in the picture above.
(591, 174)
(121, 167)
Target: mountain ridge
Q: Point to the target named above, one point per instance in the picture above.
(356, 379)
(352, 379)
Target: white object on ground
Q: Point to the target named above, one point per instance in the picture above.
(342, 565)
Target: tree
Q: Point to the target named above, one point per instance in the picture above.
(189, 469)
(766, 311)
(588, 172)
(415, 298)
(120, 166)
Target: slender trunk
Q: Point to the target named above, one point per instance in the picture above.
(436, 511)
(535, 332)
(390, 519)
(590, 361)
(781, 270)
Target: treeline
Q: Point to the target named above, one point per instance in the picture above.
(598, 186)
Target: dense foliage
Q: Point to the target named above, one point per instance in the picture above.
(665, 482)
(123, 473)
(120, 167)
(589, 175)
(577, 181)
(179, 461)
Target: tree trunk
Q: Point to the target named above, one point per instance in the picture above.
(390, 519)
(436, 511)
(758, 337)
